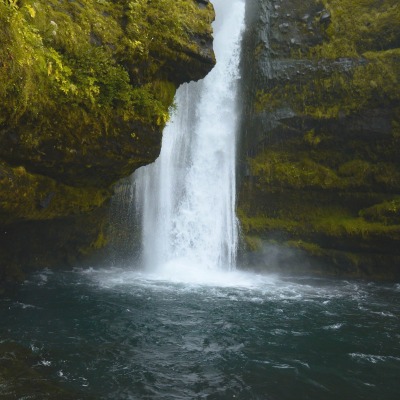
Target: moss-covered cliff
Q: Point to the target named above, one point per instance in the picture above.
(322, 160)
(85, 90)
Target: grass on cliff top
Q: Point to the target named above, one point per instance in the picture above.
(99, 55)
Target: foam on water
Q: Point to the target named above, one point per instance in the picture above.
(243, 285)
(178, 274)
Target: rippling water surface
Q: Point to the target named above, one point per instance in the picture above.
(114, 334)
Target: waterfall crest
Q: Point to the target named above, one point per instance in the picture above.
(186, 199)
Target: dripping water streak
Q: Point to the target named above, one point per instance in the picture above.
(186, 199)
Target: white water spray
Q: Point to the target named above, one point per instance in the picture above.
(186, 199)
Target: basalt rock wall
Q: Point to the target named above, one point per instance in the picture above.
(320, 158)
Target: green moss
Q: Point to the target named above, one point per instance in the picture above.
(167, 22)
(27, 196)
(100, 242)
(86, 89)
(277, 170)
(263, 224)
(266, 101)
(387, 212)
(165, 91)
(346, 225)
(363, 37)
(360, 26)
(329, 222)
(253, 243)
(396, 124)
(312, 138)
(370, 84)
(310, 248)
(324, 172)
(43, 70)
(281, 169)
(80, 77)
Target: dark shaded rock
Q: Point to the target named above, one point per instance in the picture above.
(325, 17)
(203, 3)
(45, 202)
(320, 155)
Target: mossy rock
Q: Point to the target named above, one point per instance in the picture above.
(321, 156)
(87, 86)
(26, 196)
(86, 90)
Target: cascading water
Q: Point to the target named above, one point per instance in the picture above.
(186, 199)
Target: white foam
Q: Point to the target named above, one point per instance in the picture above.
(178, 273)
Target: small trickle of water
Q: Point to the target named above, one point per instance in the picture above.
(186, 199)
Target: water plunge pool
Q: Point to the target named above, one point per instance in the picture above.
(118, 334)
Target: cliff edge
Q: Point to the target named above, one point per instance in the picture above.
(85, 92)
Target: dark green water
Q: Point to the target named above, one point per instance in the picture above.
(120, 335)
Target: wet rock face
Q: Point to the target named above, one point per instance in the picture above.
(86, 87)
(85, 93)
(320, 133)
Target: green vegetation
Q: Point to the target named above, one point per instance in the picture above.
(359, 26)
(281, 169)
(89, 84)
(313, 221)
(361, 58)
(86, 89)
(387, 212)
(276, 170)
(373, 82)
(83, 54)
(28, 196)
(326, 176)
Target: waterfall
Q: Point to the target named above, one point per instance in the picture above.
(186, 199)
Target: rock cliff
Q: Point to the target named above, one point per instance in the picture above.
(85, 92)
(321, 159)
